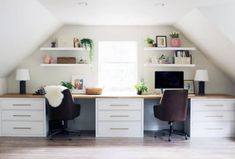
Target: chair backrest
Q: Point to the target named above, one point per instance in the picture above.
(67, 110)
(174, 105)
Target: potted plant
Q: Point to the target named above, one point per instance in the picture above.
(141, 87)
(69, 85)
(89, 45)
(175, 40)
(149, 42)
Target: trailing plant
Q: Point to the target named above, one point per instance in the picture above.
(149, 41)
(89, 45)
(174, 34)
(141, 87)
(69, 85)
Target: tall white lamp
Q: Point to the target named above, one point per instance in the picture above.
(201, 76)
(22, 75)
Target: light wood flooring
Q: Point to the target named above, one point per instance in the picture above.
(87, 147)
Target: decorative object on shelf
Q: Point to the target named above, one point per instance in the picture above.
(66, 60)
(68, 85)
(79, 83)
(175, 40)
(161, 41)
(82, 61)
(163, 59)
(182, 57)
(94, 91)
(48, 59)
(141, 87)
(201, 76)
(189, 85)
(89, 45)
(76, 43)
(149, 42)
(22, 75)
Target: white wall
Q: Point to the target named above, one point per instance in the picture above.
(3, 86)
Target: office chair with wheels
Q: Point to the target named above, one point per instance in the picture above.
(172, 108)
(59, 116)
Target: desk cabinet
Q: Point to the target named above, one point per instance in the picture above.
(212, 118)
(23, 117)
(119, 117)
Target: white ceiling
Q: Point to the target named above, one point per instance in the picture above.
(124, 12)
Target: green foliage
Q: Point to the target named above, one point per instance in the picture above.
(89, 45)
(141, 87)
(174, 34)
(69, 85)
(149, 41)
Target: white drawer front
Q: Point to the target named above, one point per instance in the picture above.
(213, 105)
(119, 129)
(214, 116)
(213, 129)
(119, 115)
(23, 104)
(22, 128)
(25, 115)
(119, 104)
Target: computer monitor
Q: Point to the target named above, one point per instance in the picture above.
(169, 79)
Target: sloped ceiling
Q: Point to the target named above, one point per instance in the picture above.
(25, 24)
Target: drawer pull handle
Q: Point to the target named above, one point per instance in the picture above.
(21, 104)
(114, 116)
(214, 105)
(119, 128)
(214, 128)
(215, 116)
(22, 128)
(117, 105)
(21, 115)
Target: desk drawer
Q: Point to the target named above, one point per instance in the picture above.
(214, 116)
(199, 105)
(119, 104)
(119, 115)
(23, 104)
(119, 129)
(26, 115)
(10, 128)
(213, 129)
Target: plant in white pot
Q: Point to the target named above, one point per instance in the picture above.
(149, 42)
(175, 40)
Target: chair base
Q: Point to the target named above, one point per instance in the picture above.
(54, 133)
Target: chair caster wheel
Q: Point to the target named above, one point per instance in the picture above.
(155, 136)
(186, 137)
(169, 140)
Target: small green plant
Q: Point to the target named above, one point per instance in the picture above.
(149, 41)
(174, 34)
(141, 87)
(89, 45)
(69, 85)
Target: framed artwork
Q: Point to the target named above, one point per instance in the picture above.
(161, 41)
(79, 82)
(189, 85)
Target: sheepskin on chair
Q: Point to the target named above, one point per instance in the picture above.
(54, 95)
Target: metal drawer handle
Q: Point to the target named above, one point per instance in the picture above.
(215, 116)
(214, 105)
(119, 128)
(21, 104)
(22, 128)
(122, 105)
(214, 128)
(21, 115)
(114, 116)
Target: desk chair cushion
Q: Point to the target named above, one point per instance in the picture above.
(54, 95)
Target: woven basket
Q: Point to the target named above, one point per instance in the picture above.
(66, 60)
(94, 91)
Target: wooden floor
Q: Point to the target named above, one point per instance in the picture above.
(86, 147)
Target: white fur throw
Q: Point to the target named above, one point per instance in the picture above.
(54, 95)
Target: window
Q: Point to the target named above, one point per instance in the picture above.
(118, 65)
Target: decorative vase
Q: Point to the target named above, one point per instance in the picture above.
(175, 42)
(47, 59)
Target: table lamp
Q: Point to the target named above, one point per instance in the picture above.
(22, 75)
(201, 76)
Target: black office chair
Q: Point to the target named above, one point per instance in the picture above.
(172, 108)
(59, 116)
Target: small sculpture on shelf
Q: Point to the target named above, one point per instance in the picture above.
(76, 43)
(163, 59)
(48, 59)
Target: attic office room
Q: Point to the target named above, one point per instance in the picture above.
(117, 79)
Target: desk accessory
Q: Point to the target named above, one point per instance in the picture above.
(22, 75)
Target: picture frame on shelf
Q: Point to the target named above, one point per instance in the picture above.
(161, 41)
(79, 82)
(189, 85)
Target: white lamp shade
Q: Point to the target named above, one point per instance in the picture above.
(201, 75)
(22, 75)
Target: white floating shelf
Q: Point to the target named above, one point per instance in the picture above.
(169, 48)
(62, 49)
(62, 65)
(169, 65)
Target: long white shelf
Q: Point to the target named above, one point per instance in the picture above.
(62, 65)
(169, 65)
(169, 48)
(62, 49)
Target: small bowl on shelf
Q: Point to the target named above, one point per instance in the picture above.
(94, 91)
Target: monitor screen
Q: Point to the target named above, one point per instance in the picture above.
(169, 79)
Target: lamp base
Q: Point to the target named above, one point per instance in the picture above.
(201, 89)
(22, 87)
